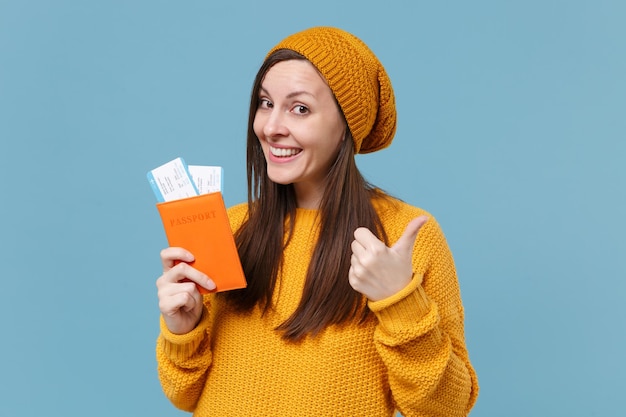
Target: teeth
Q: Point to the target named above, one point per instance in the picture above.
(282, 152)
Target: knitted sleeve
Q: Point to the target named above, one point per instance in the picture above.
(183, 362)
(420, 335)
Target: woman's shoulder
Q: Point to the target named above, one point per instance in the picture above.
(396, 214)
(237, 214)
(391, 208)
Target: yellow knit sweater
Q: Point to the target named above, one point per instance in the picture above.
(409, 356)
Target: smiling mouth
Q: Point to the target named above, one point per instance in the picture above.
(284, 152)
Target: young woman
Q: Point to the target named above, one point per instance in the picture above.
(353, 305)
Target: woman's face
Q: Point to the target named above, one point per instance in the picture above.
(300, 128)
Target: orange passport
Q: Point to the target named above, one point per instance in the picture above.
(200, 225)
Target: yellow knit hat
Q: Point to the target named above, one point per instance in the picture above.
(357, 79)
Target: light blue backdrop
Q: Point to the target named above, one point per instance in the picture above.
(512, 131)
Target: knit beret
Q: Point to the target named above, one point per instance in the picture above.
(357, 79)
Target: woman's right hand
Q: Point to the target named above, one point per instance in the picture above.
(180, 301)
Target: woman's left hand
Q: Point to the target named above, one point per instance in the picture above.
(378, 271)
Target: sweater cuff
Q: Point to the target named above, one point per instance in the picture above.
(404, 310)
(183, 345)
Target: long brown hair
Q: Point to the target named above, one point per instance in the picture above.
(327, 296)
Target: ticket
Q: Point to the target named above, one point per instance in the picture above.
(172, 181)
(208, 179)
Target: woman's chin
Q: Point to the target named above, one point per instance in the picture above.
(280, 178)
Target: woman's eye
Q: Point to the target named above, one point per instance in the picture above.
(265, 103)
(301, 109)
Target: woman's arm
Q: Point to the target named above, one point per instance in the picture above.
(183, 361)
(183, 355)
(420, 335)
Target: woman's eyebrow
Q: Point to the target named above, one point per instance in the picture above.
(300, 93)
(290, 95)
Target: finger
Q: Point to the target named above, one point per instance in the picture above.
(184, 272)
(357, 269)
(168, 291)
(367, 239)
(182, 300)
(357, 248)
(172, 255)
(354, 273)
(405, 244)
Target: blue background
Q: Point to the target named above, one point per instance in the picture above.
(511, 132)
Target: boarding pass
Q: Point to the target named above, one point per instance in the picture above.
(175, 180)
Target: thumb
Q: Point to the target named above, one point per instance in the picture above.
(404, 245)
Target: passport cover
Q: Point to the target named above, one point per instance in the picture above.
(200, 225)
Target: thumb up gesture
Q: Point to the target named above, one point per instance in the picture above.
(378, 271)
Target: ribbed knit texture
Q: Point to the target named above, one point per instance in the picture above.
(410, 355)
(357, 79)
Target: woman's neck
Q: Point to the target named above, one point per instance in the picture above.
(308, 196)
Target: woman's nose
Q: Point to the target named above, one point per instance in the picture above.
(275, 125)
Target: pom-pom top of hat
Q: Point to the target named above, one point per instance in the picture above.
(357, 79)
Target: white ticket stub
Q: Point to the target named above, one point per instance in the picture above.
(172, 181)
(208, 179)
